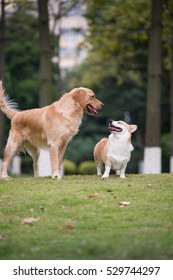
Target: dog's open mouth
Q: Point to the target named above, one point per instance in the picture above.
(112, 127)
(91, 110)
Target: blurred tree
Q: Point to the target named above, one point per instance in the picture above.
(171, 109)
(56, 13)
(2, 39)
(168, 44)
(116, 67)
(22, 57)
(152, 152)
(45, 97)
(118, 49)
(58, 10)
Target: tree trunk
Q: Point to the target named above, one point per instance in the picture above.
(45, 97)
(152, 152)
(57, 33)
(2, 39)
(58, 79)
(171, 109)
(45, 73)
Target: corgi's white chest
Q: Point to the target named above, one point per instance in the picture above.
(119, 152)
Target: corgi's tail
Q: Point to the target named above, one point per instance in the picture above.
(7, 106)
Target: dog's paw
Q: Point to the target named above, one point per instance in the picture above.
(122, 176)
(105, 176)
(56, 177)
(5, 177)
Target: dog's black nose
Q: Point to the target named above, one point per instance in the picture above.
(110, 121)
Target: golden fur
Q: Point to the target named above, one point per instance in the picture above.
(52, 126)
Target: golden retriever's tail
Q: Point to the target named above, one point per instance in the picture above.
(7, 106)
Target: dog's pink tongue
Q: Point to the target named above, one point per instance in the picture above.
(114, 128)
(91, 110)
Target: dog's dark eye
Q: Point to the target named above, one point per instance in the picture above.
(92, 96)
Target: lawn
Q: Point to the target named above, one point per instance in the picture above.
(81, 217)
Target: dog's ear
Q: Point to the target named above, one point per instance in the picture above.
(133, 127)
(79, 96)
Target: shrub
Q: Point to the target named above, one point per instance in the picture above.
(27, 163)
(70, 167)
(87, 168)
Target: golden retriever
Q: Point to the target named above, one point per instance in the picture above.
(52, 126)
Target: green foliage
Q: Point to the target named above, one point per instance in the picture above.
(116, 66)
(22, 58)
(87, 168)
(120, 48)
(27, 165)
(22, 55)
(120, 102)
(82, 145)
(74, 226)
(167, 33)
(70, 167)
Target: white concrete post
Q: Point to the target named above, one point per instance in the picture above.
(16, 165)
(0, 165)
(141, 167)
(171, 164)
(152, 160)
(44, 166)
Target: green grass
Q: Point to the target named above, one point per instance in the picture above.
(73, 225)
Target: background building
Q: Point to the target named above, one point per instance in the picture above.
(69, 25)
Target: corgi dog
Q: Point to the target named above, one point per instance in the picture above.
(115, 151)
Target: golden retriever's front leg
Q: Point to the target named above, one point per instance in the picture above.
(62, 152)
(54, 158)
